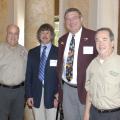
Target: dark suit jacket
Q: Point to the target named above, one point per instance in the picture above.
(87, 39)
(33, 85)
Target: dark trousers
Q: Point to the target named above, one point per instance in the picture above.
(95, 115)
(11, 103)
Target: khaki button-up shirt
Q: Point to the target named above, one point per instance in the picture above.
(12, 64)
(103, 82)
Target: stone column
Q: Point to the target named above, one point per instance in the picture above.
(104, 13)
(5, 13)
(37, 12)
(19, 17)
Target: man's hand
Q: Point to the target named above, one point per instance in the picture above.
(56, 100)
(30, 102)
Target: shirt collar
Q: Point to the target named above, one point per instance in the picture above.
(112, 55)
(78, 33)
(47, 45)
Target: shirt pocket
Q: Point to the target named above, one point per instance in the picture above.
(113, 77)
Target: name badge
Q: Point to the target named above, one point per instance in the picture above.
(53, 63)
(88, 50)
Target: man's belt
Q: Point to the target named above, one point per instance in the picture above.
(12, 87)
(71, 85)
(107, 111)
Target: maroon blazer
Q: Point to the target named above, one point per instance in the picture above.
(87, 39)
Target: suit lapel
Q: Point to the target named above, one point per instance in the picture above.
(62, 45)
(83, 40)
(84, 37)
(37, 56)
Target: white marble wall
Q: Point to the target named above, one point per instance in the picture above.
(104, 13)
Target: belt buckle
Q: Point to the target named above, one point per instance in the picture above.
(101, 110)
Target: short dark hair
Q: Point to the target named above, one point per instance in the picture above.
(111, 35)
(46, 27)
(72, 10)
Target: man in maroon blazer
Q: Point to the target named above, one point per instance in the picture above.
(72, 91)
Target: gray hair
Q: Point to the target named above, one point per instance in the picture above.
(111, 35)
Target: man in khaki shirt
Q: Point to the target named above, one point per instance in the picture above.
(103, 80)
(13, 58)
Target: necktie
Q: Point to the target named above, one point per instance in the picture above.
(42, 65)
(70, 58)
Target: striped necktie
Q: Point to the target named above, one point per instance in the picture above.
(42, 65)
(70, 59)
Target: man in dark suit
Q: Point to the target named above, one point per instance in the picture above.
(41, 77)
(71, 72)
